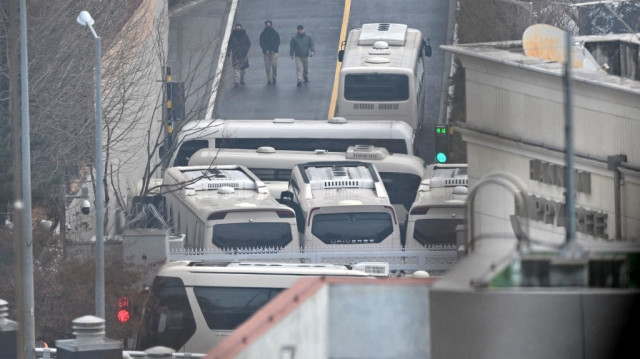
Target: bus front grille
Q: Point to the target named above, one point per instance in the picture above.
(363, 106)
(388, 106)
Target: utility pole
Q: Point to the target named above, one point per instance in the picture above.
(14, 107)
(28, 326)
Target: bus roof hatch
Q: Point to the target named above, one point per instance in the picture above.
(392, 34)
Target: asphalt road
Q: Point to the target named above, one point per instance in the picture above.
(197, 31)
(322, 21)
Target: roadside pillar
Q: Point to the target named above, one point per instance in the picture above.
(90, 342)
(8, 333)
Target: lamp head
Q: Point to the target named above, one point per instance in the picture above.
(85, 19)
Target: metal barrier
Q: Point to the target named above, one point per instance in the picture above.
(50, 353)
(432, 259)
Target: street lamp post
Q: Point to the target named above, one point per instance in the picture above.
(27, 350)
(85, 19)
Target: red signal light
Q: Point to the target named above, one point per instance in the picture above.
(123, 314)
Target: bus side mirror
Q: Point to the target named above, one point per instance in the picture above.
(341, 51)
(426, 47)
(162, 151)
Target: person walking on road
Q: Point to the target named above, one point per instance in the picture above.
(302, 48)
(270, 42)
(239, 45)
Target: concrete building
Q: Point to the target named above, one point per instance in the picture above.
(516, 124)
(337, 318)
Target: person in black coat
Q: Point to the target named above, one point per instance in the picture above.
(239, 45)
(270, 42)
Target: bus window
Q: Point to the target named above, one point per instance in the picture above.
(376, 87)
(312, 144)
(272, 174)
(168, 319)
(350, 228)
(187, 149)
(437, 231)
(401, 187)
(225, 308)
(251, 235)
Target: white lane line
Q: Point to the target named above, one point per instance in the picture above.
(223, 55)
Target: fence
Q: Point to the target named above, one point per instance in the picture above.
(435, 259)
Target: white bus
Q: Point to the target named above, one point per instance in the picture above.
(440, 206)
(335, 134)
(227, 208)
(400, 173)
(342, 204)
(193, 306)
(382, 74)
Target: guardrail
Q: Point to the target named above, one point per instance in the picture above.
(50, 353)
(431, 259)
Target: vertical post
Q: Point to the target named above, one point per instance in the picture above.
(616, 198)
(169, 89)
(99, 187)
(569, 174)
(612, 164)
(28, 328)
(13, 47)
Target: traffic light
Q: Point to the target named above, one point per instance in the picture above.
(123, 314)
(442, 144)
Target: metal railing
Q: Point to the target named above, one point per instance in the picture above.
(50, 353)
(433, 259)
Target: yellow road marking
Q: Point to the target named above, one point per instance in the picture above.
(343, 36)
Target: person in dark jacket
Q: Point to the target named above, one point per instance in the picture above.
(239, 45)
(301, 47)
(270, 42)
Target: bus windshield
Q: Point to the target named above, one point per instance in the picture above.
(272, 174)
(376, 87)
(167, 318)
(251, 235)
(352, 227)
(225, 308)
(437, 231)
(401, 187)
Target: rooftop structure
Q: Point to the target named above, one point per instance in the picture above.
(515, 123)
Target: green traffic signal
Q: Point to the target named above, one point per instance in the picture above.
(441, 157)
(441, 143)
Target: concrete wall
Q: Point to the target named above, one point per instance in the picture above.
(87, 250)
(146, 250)
(378, 321)
(351, 320)
(303, 332)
